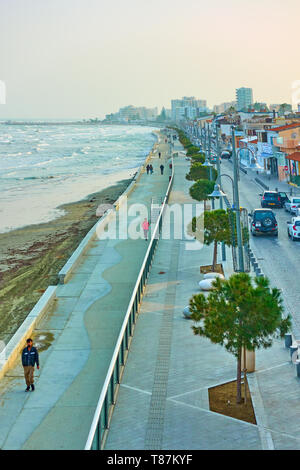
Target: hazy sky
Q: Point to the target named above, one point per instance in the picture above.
(86, 58)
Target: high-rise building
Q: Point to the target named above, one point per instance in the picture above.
(244, 98)
(190, 104)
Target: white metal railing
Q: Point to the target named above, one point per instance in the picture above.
(107, 399)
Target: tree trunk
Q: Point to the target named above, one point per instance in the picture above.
(239, 379)
(245, 376)
(215, 256)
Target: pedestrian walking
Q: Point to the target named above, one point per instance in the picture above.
(151, 169)
(146, 226)
(159, 154)
(30, 357)
(161, 169)
(148, 168)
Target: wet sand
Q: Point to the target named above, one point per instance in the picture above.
(31, 257)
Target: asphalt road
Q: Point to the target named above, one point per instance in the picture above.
(279, 258)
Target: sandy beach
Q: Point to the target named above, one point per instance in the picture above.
(31, 257)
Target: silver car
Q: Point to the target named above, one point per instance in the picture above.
(292, 205)
(293, 229)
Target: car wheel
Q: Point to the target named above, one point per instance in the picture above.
(276, 234)
(289, 235)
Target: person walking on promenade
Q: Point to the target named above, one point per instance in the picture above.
(30, 357)
(159, 154)
(146, 226)
(151, 169)
(148, 168)
(161, 169)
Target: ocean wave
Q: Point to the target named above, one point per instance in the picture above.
(25, 178)
(78, 159)
(43, 163)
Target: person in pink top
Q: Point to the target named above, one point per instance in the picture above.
(145, 226)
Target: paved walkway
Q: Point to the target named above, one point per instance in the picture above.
(163, 399)
(77, 339)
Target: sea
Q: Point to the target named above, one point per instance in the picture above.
(44, 166)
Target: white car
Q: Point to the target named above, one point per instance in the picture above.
(293, 229)
(293, 204)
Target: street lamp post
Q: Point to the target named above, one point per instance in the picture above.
(237, 203)
(219, 182)
(209, 160)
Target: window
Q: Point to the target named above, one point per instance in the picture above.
(259, 215)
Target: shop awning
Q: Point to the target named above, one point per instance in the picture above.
(294, 156)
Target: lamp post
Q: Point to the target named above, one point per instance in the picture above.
(207, 164)
(219, 182)
(237, 202)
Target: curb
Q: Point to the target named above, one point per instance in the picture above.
(13, 348)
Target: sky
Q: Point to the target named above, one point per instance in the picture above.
(86, 58)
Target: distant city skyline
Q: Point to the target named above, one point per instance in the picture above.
(69, 59)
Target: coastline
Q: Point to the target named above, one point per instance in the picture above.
(31, 257)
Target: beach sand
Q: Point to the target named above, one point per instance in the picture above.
(31, 257)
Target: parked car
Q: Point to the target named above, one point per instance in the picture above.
(270, 198)
(263, 222)
(214, 159)
(283, 198)
(293, 228)
(226, 154)
(292, 205)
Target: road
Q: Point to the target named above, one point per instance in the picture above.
(278, 257)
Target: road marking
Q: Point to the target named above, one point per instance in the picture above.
(136, 389)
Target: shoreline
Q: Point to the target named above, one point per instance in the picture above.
(32, 256)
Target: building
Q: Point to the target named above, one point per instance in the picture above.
(223, 107)
(274, 107)
(131, 113)
(244, 98)
(286, 141)
(179, 114)
(190, 113)
(192, 106)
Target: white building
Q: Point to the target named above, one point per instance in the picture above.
(191, 105)
(244, 98)
(179, 113)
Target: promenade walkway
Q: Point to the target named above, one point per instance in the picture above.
(163, 400)
(77, 338)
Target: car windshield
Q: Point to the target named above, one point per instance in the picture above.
(297, 223)
(296, 200)
(259, 215)
(271, 196)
